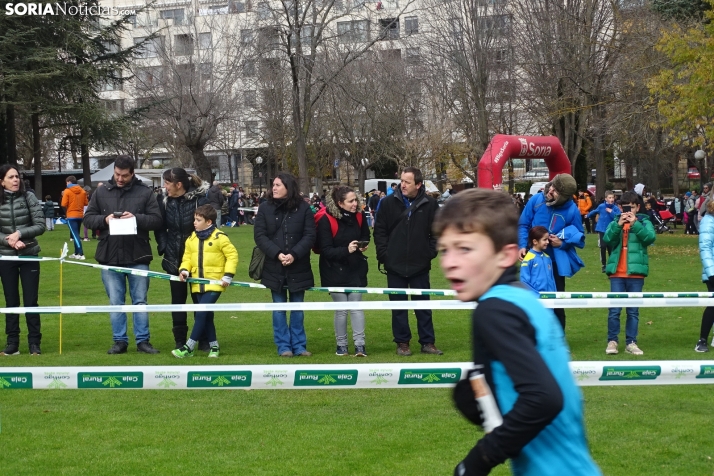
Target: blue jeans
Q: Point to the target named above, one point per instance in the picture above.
(204, 325)
(74, 224)
(115, 285)
(621, 285)
(291, 338)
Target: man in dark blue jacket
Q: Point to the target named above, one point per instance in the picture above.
(406, 245)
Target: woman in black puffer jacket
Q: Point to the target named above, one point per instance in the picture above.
(21, 222)
(285, 232)
(342, 263)
(184, 193)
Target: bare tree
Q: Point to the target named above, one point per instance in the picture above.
(315, 40)
(185, 79)
(567, 51)
(471, 72)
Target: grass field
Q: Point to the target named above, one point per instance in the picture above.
(648, 430)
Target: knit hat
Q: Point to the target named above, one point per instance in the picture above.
(566, 186)
(688, 194)
(639, 188)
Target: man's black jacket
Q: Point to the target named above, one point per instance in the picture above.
(405, 243)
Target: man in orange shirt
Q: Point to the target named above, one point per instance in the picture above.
(627, 268)
(74, 200)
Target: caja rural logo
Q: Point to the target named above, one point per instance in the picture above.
(429, 376)
(631, 372)
(15, 380)
(220, 379)
(110, 380)
(706, 371)
(323, 378)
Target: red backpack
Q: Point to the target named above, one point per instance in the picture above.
(333, 224)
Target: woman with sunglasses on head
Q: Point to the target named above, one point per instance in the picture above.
(21, 222)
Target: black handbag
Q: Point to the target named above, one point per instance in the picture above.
(257, 262)
(257, 259)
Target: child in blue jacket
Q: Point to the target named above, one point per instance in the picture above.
(537, 267)
(608, 212)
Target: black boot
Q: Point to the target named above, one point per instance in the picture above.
(180, 333)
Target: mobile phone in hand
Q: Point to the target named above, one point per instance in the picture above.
(362, 244)
(626, 209)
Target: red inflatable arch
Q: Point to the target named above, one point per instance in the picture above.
(503, 147)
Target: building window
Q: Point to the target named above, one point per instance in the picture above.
(149, 48)
(353, 31)
(392, 55)
(411, 25)
(236, 7)
(183, 45)
(112, 84)
(251, 129)
(413, 55)
(205, 41)
(389, 28)
(114, 107)
(176, 15)
(205, 71)
(263, 10)
(249, 68)
(149, 77)
(250, 98)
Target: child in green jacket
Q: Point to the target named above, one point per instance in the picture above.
(628, 237)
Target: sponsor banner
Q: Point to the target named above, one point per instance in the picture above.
(447, 376)
(346, 376)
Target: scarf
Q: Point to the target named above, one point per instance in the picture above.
(205, 233)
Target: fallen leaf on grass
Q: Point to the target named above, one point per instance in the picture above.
(234, 317)
(649, 323)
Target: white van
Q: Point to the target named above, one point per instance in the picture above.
(383, 184)
(537, 187)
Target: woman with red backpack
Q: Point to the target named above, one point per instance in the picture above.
(342, 237)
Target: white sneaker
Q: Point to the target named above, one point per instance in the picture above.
(72, 256)
(633, 349)
(86, 239)
(611, 347)
(81, 257)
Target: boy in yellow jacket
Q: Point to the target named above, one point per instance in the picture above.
(209, 254)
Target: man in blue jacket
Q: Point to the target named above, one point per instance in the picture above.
(555, 210)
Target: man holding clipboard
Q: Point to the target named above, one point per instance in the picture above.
(125, 210)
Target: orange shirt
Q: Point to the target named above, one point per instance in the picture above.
(621, 270)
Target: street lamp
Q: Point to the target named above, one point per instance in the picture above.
(699, 156)
(259, 160)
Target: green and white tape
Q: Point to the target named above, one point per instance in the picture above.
(337, 376)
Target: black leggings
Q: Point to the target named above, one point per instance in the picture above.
(11, 274)
(708, 316)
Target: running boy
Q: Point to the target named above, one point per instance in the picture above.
(607, 212)
(537, 267)
(628, 238)
(209, 254)
(519, 345)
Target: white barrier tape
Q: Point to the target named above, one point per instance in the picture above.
(27, 258)
(337, 376)
(562, 297)
(244, 307)
(442, 304)
(165, 276)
